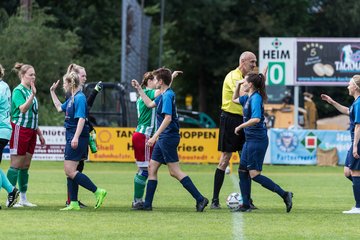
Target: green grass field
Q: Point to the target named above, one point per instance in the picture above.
(320, 196)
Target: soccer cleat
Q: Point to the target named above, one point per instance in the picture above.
(137, 205)
(146, 208)
(24, 203)
(82, 205)
(353, 210)
(243, 208)
(100, 195)
(73, 206)
(215, 204)
(201, 205)
(288, 200)
(12, 197)
(252, 206)
(99, 86)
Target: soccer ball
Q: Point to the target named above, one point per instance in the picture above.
(234, 201)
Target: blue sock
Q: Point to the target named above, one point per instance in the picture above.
(356, 189)
(5, 183)
(245, 186)
(85, 182)
(189, 185)
(150, 191)
(269, 184)
(73, 189)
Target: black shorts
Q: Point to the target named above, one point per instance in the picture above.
(228, 140)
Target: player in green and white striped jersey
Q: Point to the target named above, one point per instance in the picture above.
(24, 122)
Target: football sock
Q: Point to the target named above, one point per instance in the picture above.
(85, 182)
(12, 175)
(73, 189)
(150, 191)
(5, 183)
(269, 184)
(23, 179)
(139, 186)
(218, 182)
(349, 177)
(23, 196)
(245, 186)
(356, 189)
(190, 187)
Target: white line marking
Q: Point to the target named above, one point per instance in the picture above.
(238, 222)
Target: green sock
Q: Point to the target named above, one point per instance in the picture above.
(139, 186)
(5, 182)
(12, 175)
(23, 179)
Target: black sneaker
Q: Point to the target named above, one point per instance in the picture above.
(288, 200)
(243, 208)
(252, 206)
(82, 205)
(215, 204)
(137, 205)
(12, 197)
(145, 208)
(201, 205)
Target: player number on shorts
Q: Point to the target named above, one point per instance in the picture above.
(276, 74)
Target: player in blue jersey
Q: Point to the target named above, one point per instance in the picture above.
(5, 134)
(166, 140)
(77, 138)
(250, 93)
(352, 162)
(145, 129)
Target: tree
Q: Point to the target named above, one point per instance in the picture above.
(49, 50)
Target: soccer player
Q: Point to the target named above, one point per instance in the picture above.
(144, 131)
(81, 72)
(166, 139)
(252, 99)
(77, 138)
(352, 162)
(24, 122)
(5, 133)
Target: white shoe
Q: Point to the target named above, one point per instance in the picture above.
(353, 210)
(26, 203)
(17, 205)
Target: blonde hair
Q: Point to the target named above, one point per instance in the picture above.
(356, 80)
(73, 81)
(21, 68)
(74, 68)
(2, 71)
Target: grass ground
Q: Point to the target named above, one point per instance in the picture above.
(321, 194)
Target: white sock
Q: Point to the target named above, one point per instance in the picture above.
(22, 196)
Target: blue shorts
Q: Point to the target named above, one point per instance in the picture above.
(253, 154)
(165, 150)
(351, 162)
(78, 154)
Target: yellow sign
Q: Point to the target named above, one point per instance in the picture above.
(197, 145)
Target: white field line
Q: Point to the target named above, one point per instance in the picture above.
(238, 222)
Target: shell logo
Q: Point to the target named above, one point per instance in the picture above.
(104, 136)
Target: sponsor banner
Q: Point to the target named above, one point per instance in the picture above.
(299, 146)
(279, 55)
(327, 61)
(197, 145)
